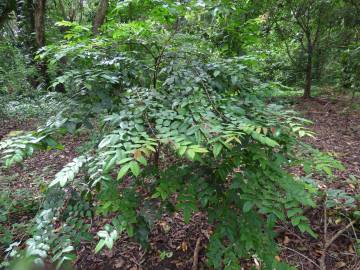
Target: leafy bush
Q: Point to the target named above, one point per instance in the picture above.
(14, 69)
(182, 129)
(16, 212)
(37, 105)
(350, 71)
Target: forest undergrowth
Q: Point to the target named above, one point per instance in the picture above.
(173, 243)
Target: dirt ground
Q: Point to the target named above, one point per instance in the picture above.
(337, 129)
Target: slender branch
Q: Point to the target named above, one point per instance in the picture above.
(81, 6)
(325, 220)
(278, 29)
(213, 105)
(302, 255)
(302, 44)
(197, 123)
(144, 46)
(317, 34)
(196, 255)
(339, 233)
(298, 20)
(328, 243)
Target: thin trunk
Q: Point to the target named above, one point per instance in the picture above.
(100, 15)
(39, 25)
(81, 6)
(25, 40)
(308, 79)
(318, 66)
(39, 16)
(61, 87)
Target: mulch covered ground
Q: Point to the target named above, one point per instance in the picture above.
(8, 125)
(173, 243)
(337, 129)
(170, 236)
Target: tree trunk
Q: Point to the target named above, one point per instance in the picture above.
(39, 15)
(39, 27)
(81, 7)
(100, 16)
(308, 77)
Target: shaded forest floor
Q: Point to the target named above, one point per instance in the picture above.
(336, 123)
(172, 242)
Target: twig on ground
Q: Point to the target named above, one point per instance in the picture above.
(196, 254)
(327, 244)
(357, 266)
(302, 255)
(339, 233)
(325, 219)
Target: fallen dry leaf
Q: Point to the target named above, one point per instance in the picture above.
(165, 226)
(184, 246)
(286, 240)
(340, 265)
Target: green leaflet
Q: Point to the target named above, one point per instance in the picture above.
(69, 172)
(124, 169)
(135, 168)
(264, 140)
(217, 149)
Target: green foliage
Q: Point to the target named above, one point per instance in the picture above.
(320, 162)
(329, 27)
(351, 73)
(182, 125)
(16, 149)
(165, 254)
(106, 239)
(12, 205)
(338, 198)
(69, 172)
(55, 239)
(14, 70)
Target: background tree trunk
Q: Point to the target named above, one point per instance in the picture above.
(39, 16)
(100, 15)
(308, 75)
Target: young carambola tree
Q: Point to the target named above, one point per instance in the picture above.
(176, 118)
